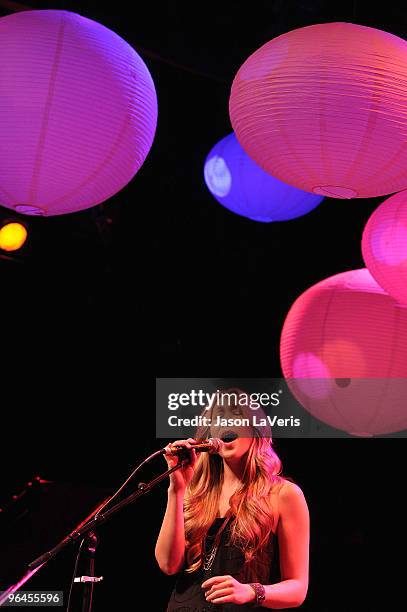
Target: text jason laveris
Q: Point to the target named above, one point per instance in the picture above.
(203, 421)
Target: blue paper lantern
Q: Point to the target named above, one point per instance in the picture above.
(240, 185)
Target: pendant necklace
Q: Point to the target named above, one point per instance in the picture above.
(209, 557)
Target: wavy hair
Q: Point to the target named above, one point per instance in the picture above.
(262, 473)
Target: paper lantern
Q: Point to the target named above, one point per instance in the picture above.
(244, 188)
(322, 108)
(384, 246)
(78, 112)
(344, 354)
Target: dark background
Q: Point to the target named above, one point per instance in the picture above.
(161, 280)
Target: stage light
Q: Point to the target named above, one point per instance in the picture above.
(12, 236)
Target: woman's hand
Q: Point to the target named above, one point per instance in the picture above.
(225, 589)
(180, 479)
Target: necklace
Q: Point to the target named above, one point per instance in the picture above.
(209, 557)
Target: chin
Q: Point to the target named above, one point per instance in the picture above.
(234, 449)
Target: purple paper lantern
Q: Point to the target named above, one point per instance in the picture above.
(240, 185)
(78, 112)
(384, 246)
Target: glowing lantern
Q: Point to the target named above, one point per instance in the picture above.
(384, 246)
(78, 112)
(344, 354)
(322, 108)
(12, 236)
(244, 188)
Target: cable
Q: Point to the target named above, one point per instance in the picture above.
(15, 6)
(74, 574)
(108, 501)
(354, 10)
(155, 56)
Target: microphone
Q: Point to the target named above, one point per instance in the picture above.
(211, 446)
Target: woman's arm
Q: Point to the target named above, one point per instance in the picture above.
(170, 546)
(293, 538)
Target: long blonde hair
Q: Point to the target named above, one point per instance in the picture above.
(251, 504)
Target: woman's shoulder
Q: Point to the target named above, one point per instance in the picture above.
(285, 487)
(289, 489)
(286, 494)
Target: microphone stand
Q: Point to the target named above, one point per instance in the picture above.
(91, 542)
(88, 528)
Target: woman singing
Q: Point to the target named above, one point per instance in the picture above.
(234, 530)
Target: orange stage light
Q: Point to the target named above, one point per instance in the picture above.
(12, 236)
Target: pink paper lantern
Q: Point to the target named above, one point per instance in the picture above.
(384, 246)
(78, 112)
(322, 108)
(344, 354)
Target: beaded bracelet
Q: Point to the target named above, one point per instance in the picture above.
(260, 593)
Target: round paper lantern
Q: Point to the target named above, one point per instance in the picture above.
(344, 354)
(384, 246)
(322, 108)
(244, 188)
(78, 112)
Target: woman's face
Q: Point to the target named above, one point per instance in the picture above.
(231, 418)
(236, 449)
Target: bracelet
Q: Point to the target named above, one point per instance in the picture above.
(260, 593)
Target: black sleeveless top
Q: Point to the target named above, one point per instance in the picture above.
(188, 595)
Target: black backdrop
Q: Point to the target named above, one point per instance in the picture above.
(161, 280)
